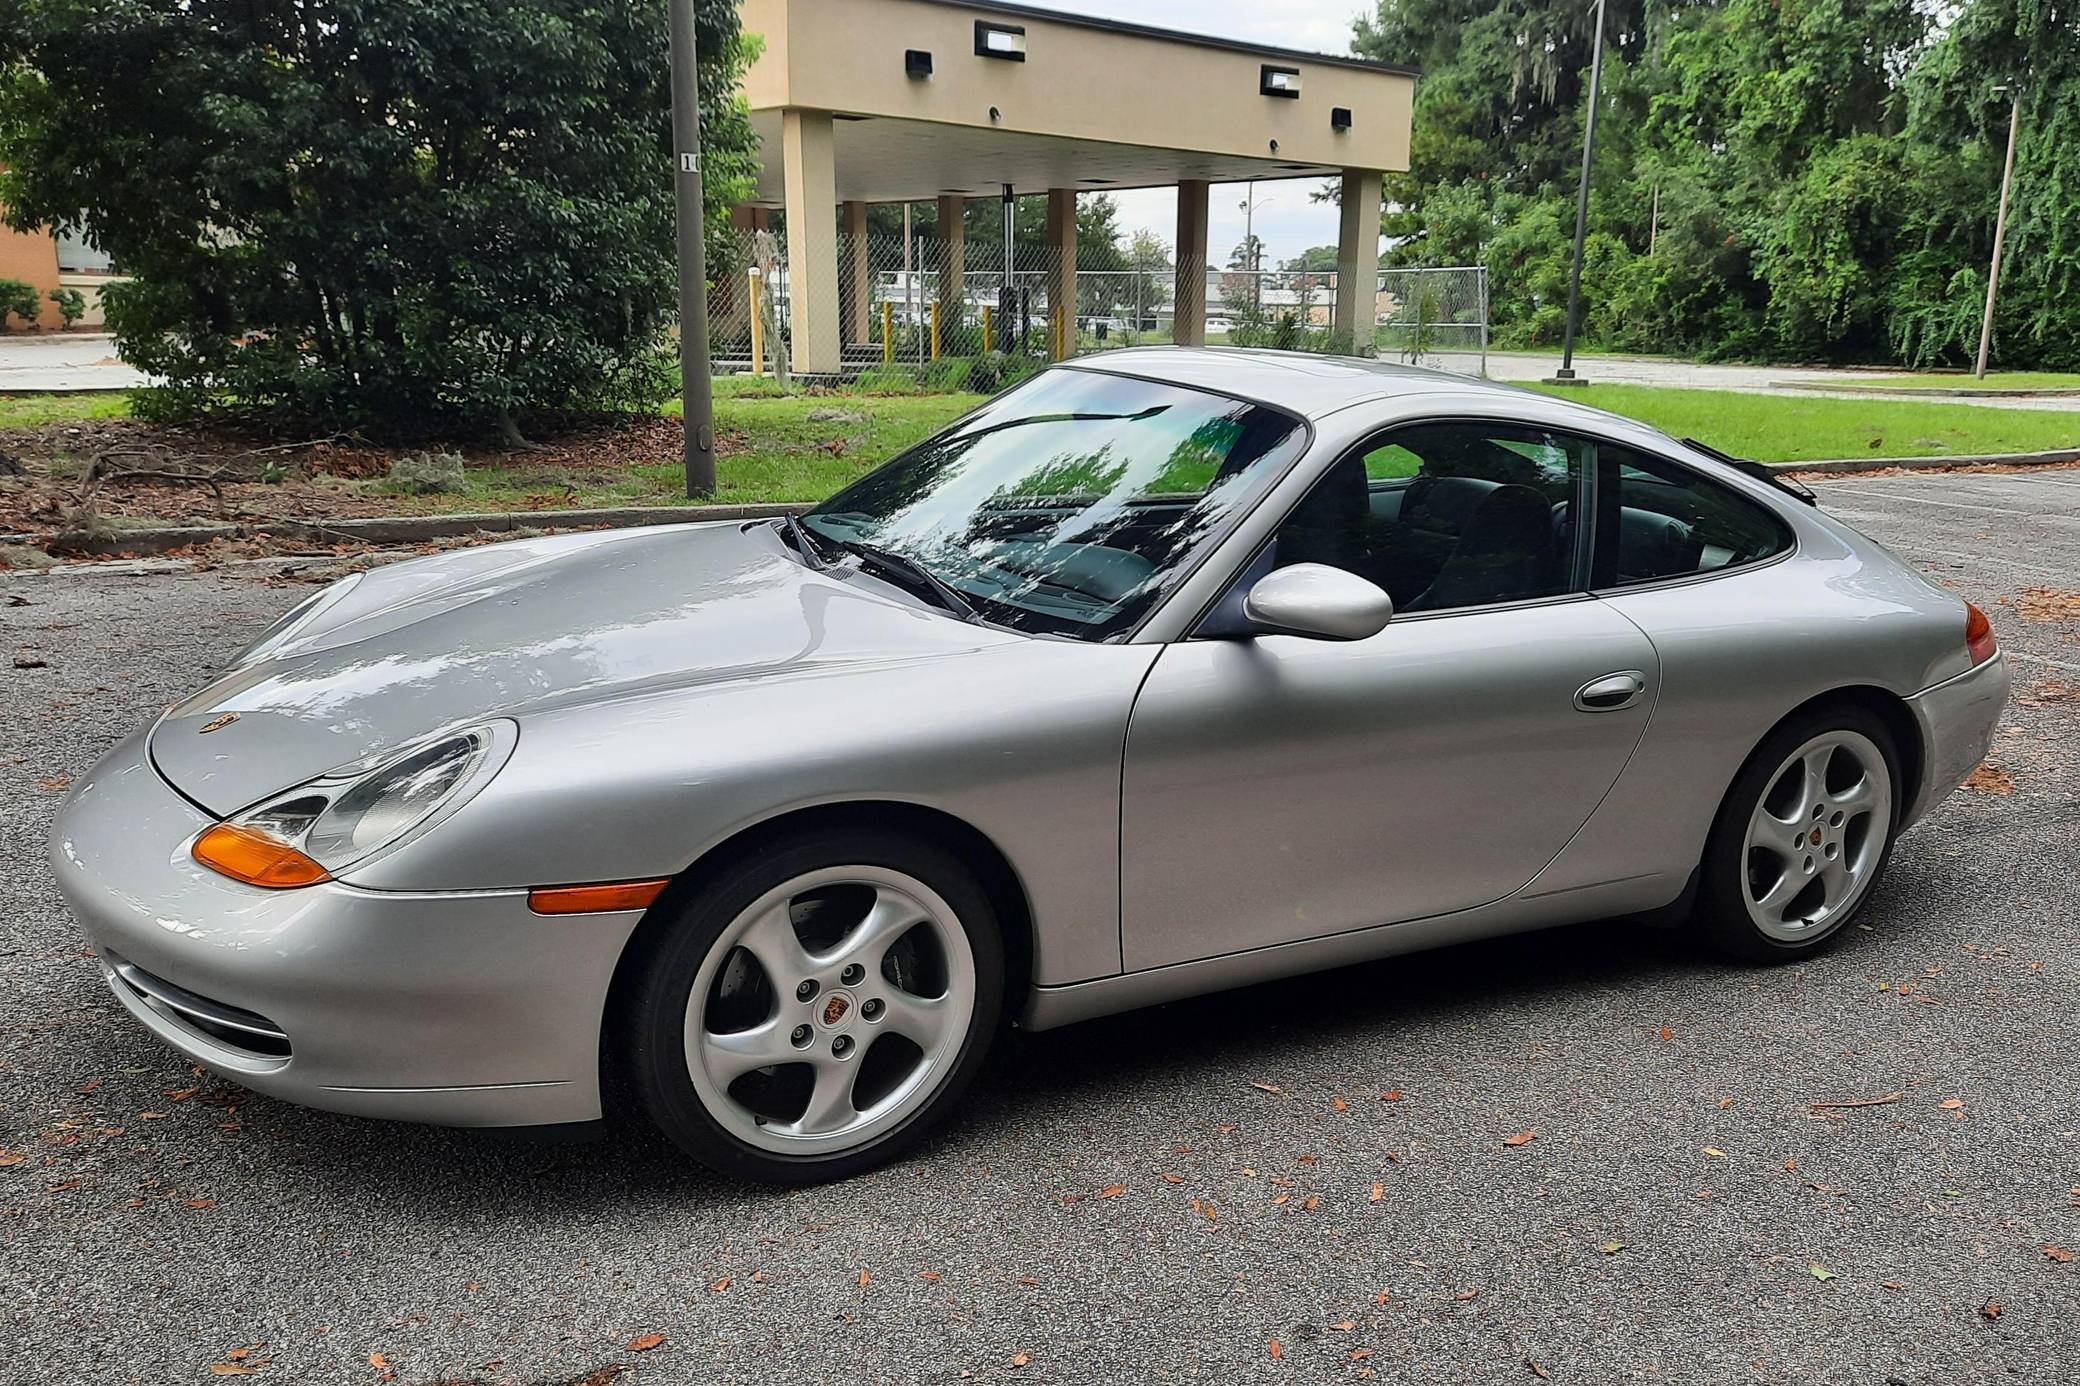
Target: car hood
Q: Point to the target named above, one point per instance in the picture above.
(512, 629)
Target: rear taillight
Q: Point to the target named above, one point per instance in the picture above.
(1978, 634)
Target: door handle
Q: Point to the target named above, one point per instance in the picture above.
(1612, 692)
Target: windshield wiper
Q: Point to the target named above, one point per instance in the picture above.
(907, 572)
(804, 541)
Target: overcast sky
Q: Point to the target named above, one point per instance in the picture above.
(1286, 219)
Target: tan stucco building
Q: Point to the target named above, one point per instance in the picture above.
(860, 101)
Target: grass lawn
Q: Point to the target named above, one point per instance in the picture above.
(1777, 428)
(773, 451)
(28, 411)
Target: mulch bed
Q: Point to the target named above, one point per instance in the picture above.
(131, 469)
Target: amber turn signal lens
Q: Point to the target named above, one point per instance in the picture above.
(249, 855)
(595, 899)
(1978, 634)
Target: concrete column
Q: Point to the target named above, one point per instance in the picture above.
(856, 283)
(1061, 271)
(809, 177)
(953, 259)
(1188, 304)
(1357, 263)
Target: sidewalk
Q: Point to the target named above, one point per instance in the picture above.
(62, 362)
(1523, 367)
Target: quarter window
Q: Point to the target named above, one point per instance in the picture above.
(1660, 520)
(1447, 515)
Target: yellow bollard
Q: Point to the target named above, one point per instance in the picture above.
(888, 340)
(758, 325)
(935, 329)
(1061, 336)
(989, 338)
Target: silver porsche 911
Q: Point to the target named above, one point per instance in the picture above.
(1164, 672)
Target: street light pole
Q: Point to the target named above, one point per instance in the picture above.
(1581, 205)
(696, 391)
(2000, 232)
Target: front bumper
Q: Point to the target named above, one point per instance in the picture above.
(464, 1009)
(1957, 718)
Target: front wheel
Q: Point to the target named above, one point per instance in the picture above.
(1803, 836)
(818, 1006)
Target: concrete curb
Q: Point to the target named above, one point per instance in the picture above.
(1941, 392)
(419, 529)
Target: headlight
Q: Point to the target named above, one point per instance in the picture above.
(348, 816)
(300, 616)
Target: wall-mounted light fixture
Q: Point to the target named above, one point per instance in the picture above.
(1340, 119)
(1006, 41)
(917, 64)
(1278, 81)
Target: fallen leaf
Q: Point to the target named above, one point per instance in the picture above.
(643, 1342)
(1667, 1034)
(1339, 1104)
(1343, 1325)
(1536, 1370)
(1818, 1271)
(378, 1361)
(1465, 1295)
(1791, 1166)
(1275, 1350)
(1379, 1191)
(1951, 1104)
(932, 1276)
(1019, 1359)
(719, 1286)
(89, 1086)
(1887, 1100)
(151, 1116)
(180, 1094)
(1724, 1103)
(1274, 1089)
(1612, 1248)
(1991, 1309)
(1715, 1153)
(1311, 1202)
(68, 1185)
(863, 1279)
(1382, 1297)
(1990, 779)
(1169, 1178)
(1112, 1191)
(1280, 1200)
(54, 783)
(11, 1157)
(231, 1369)
(1521, 1138)
(1028, 1280)
(1358, 1354)
(2058, 1253)
(202, 1203)
(1391, 1095)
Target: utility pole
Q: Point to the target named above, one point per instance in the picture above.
(696, 390)
(2000, 228)
(1581, 208)
(1250, 259)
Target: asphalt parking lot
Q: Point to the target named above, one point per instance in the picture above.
(1213, 1191)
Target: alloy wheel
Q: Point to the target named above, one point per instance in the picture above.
(829, 1010)
(1817, 835)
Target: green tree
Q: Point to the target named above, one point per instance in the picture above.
(353, 213)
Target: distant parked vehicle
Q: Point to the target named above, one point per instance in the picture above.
(1163, 672)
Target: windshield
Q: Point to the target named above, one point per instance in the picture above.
(1072, 504)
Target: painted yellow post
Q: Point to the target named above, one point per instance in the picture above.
(989, 338)
(1061, 335)
(758, 322)
(935, 329)
(888, 339)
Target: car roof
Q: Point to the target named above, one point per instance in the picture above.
(1314, 386)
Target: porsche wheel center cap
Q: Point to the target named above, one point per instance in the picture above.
(836, 1007)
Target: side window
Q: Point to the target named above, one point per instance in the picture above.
(1447, 515)
(1658, 520)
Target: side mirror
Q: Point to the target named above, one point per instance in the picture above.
(1318, 602)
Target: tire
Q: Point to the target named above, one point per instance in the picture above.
(869, 968)
(1770, 891)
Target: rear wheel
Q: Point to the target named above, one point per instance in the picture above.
(1803, 836)
(818, 1007)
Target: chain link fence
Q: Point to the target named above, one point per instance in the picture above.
(916, 302)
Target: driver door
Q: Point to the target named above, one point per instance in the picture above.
(1278, 788)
